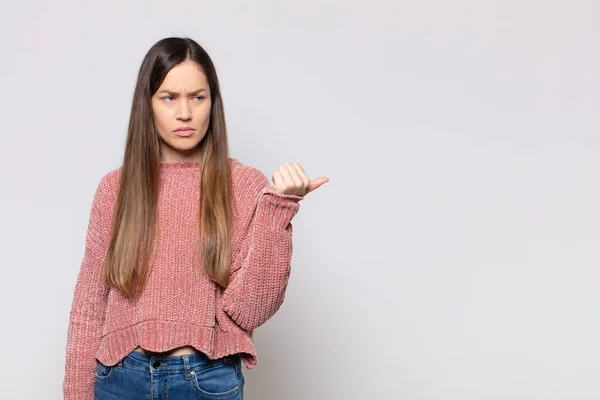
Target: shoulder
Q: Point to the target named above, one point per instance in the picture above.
(243, 176)
(110, 180)
(246, 180)
(107, 187)
(244, 173)
(248, 184)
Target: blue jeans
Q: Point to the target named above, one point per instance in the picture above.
(192, 376)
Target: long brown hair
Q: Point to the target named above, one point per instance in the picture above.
(134, 225)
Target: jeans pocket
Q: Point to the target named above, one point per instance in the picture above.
(103, 372)
(219, 380)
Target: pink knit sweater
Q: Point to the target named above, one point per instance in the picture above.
(179, 304)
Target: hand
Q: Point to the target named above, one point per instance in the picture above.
(290, 178)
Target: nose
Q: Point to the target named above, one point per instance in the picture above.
(183, 110)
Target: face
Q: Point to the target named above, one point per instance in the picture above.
(182, 101)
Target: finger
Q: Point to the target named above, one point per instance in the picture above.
(302, 175)
(278, 179)
(316, 183)
(291, 174)
(282, 179)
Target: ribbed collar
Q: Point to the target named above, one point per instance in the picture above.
(168, 165)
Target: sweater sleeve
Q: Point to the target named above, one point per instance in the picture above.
(88, 308)
(260, 272)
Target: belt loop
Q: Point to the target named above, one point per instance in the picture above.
(186, 364)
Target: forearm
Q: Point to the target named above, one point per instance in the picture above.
(261, 271)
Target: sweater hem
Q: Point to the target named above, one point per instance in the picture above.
(159, 336)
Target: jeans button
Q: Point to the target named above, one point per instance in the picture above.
(155, 363)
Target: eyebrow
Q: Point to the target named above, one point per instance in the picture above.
(192, 93)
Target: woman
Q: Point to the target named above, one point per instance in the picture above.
(187, 250)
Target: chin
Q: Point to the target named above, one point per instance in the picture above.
(183, 144)
(186, 145)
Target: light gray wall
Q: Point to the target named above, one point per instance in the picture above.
(454, 252)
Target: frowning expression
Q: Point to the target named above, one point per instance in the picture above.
(182, 107)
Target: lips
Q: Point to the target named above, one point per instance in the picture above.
(184, 128)
(184, 132)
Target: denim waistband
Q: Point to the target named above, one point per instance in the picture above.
(174, 364)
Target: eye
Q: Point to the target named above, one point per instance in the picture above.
(201, 97)
(167, 97)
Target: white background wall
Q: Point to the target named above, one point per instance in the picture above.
(454, 252)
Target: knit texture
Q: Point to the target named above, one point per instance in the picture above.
(180, 305)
